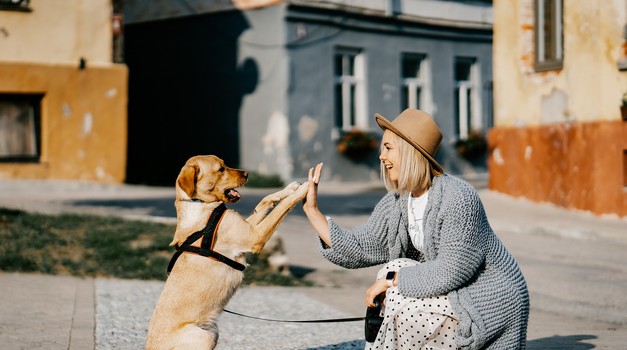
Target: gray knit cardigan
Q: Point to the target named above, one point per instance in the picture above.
(463, 259)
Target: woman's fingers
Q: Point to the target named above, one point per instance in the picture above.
(317, 173)
(380, 286)
(310, 200)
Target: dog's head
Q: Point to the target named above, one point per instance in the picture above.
(206, 178)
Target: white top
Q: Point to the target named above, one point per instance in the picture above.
(415, 212)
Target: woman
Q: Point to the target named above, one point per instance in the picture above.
(448, 281)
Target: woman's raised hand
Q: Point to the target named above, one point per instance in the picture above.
(311, 201)
(310, 206)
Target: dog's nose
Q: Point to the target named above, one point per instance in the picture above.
(245, 174)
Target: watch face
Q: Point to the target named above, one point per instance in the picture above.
(390, 275)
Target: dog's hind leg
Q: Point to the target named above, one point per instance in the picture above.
(192, 337)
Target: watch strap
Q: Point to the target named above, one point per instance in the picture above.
(389, 278)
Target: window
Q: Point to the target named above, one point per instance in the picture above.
(467, 102)
(350, 110)
(416, 89)
(15, 5)
(19, 127)
(548, 45)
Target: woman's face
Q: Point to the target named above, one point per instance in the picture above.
(390, 155)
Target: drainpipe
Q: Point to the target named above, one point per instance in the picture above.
(392, 7)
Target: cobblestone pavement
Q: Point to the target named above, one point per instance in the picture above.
(575, 265)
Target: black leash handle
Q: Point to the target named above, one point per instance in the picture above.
(332, 320)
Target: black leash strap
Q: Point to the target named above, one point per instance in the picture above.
(332, 320)
(206, 246)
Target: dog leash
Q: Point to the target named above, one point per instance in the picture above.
(331, 320)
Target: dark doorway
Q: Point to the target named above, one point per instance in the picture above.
(185, 93)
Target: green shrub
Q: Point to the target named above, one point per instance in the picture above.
(258, 180)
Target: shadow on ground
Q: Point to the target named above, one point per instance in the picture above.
(353, 344)
(354, 204)
(570, 342)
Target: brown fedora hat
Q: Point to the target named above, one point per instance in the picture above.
(419, 129)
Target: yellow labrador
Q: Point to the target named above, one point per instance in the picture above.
(199, 286)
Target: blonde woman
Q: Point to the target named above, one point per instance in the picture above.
(448, 282)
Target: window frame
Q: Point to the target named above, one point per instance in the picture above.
(468, 93)
(555, 59)
(350, 105)
(421, 81)
(34, 100)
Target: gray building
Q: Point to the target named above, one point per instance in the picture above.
(278, 86)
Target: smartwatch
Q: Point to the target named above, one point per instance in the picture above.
(389, 278)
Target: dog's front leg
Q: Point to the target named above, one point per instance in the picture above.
(269, 202)
(269, 224)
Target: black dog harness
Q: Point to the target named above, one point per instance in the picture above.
(208, 239)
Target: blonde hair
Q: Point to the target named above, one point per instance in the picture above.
(415, 172)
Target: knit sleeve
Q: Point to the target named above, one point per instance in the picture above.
(462, 223)
(365, 245)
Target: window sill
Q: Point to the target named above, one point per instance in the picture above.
(15, 8)
(548, 66)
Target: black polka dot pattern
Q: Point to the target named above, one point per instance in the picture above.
(414, 323)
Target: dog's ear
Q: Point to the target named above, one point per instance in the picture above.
(187, 179)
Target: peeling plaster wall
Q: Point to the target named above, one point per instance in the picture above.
(593, 44)
(573, 165)
(264, 126)
(59, 32)
(83, 121)
(558, 135)
(83, 111)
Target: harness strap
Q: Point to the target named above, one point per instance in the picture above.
(208, 240)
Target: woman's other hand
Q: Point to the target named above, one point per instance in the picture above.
(380, 286)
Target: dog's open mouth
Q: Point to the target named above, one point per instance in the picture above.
(232, 195)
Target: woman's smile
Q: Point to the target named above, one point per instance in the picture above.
(390, 155)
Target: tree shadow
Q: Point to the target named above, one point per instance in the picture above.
(347, 345)
(570, 342)
(300, 271)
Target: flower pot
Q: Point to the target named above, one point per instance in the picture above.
(472, 148)
(357, 145)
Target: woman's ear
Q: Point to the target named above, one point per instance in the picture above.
(187, 180)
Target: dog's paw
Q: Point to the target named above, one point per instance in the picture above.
(293, 186)
(302, 189)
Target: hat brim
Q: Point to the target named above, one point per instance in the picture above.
(385, 124)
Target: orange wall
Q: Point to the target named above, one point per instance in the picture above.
(83, 120)
(575, 165)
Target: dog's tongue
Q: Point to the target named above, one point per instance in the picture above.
(235, 195)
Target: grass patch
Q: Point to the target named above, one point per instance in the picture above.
(258, 180)
(89, 245)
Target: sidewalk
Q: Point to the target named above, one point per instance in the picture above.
(575, 265)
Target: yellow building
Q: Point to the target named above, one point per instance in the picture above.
(559, 80)
(62, 99)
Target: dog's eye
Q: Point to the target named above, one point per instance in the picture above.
(221, 169)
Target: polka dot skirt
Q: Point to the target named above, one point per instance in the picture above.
(414, 323)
